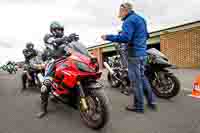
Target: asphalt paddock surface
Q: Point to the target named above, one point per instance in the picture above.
(18, 111)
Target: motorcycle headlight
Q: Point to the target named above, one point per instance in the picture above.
(39, 66)
(83, 67)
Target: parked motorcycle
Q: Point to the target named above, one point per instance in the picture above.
(164, 83)
(75, 83)
(10, 68)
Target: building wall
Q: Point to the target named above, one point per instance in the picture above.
(180, 44)
(182, 47)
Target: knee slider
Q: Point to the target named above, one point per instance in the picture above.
(47, 83)
(43, 89)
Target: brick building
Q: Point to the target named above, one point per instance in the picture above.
(181, 44)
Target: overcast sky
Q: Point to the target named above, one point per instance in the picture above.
(28, 20)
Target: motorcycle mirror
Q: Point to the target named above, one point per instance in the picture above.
(67, 51)
(93, 60)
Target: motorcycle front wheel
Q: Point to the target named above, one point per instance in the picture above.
(167, 86)
(97, 114)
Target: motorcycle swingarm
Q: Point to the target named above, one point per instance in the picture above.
(164, 70)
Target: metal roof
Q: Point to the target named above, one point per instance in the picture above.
(158, 33)
(176, 28)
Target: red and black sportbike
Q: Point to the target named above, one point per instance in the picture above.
(75, 83)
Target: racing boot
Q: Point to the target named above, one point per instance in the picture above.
(44, 104)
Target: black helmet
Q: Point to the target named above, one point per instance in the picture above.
(57, 29)
(29, 45)
(9, 62)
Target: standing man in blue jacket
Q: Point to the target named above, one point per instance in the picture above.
(135, 34)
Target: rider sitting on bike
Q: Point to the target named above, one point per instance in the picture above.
(52, 41)
(29, 52)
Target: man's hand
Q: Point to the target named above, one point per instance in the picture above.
(65, 38)
(73, 37)
(103, 37)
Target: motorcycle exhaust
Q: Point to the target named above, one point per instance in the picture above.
(108, 68)
(40, 77)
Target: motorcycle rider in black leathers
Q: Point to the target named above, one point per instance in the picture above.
(55, 39)
(29, 52)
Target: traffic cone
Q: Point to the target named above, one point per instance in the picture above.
(196, 88)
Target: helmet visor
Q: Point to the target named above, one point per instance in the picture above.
(59, 32)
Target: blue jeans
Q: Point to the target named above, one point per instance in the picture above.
(124, 55)
(139, 82)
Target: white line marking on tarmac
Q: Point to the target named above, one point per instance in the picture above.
(187, 89)
(194, 96)
(6, 78)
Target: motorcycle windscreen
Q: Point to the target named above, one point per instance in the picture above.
(156, 52)
(80, 48)
(162, 62)
(35, 61)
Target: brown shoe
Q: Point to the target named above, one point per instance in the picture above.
(134, 109)
(153, 107)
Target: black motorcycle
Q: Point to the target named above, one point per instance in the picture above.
(164, 83)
